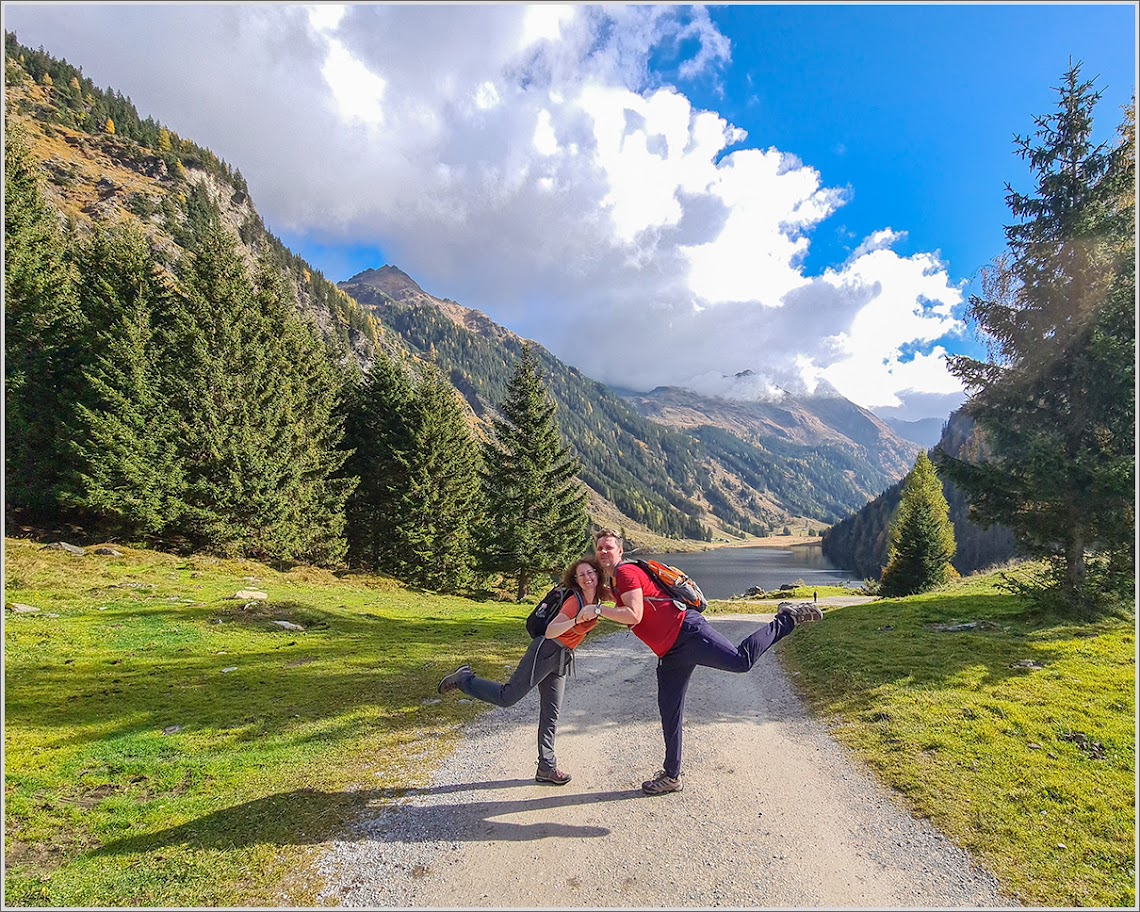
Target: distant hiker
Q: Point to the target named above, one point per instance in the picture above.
(545, 664)
(681, 640)
(814, 597)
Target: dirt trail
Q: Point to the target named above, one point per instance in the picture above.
(774, 812)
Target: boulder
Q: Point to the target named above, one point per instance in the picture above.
(64, 546)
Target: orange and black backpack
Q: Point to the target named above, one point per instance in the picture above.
(681, 588)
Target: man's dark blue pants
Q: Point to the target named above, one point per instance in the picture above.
(699, 643)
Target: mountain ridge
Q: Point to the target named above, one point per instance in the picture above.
(774, 463)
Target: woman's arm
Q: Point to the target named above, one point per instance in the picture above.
(562, 622)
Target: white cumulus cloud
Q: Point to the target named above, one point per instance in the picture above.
(533, 163)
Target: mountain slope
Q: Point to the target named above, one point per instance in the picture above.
(648, 472)
(925, 432)
(821, 457)
(861, 541)
(668, 458)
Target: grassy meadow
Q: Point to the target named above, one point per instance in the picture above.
(1015, 737)
(167, 744)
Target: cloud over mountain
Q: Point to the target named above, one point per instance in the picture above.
(545, 165)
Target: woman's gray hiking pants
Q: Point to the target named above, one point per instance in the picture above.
(544, 665)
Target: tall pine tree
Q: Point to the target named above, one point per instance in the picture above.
(305, 427)
(535, 520)
(378, 432)
(128, 480)
(43, 328)
(434, 535)
(257, 397)
(1055, 401)
(922, 538)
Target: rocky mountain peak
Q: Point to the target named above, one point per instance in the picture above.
(388, 280)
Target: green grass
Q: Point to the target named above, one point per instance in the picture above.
(107, 804)
(103, 807)
(1031, 770)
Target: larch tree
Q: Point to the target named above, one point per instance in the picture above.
(1055, 399)
(922, 537)
(535, 520)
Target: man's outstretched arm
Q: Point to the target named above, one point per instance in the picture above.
(629, 612)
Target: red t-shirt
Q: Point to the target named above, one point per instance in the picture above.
(660, 619)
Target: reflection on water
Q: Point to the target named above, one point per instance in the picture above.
(725, 572)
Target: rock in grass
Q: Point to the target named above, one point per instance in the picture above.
(107, 552)
(250, 595)
(17, 608)
(288, 625)
(64, 546)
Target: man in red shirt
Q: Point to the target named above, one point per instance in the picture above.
(681, 640)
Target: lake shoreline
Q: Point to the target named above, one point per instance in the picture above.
(727, 572)
(686, 546)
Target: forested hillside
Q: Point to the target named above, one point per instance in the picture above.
(648, 471)
(817, 459)
(861, 541)
(103, 162)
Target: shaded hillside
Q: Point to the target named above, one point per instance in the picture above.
(861, 541)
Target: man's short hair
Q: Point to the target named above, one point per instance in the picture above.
(609, 533)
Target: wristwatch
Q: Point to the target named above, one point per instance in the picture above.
(597, 611)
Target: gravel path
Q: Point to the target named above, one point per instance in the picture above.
(774, 812)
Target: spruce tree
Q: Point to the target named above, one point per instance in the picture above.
(922, 538)
(128, 480)
(43, 329)
(304, 426)
(378, 434)
(535, 520)
(1055, 401)
(434, 536)
(257, 398)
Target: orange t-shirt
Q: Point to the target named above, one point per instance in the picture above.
(572, 637)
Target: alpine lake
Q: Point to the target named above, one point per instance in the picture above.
(726, 572)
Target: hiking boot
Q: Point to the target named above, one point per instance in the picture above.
(800, 612)
(661, 783)
(451, 682)
(553, 776)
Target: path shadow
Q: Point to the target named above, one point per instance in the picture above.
(312, 816)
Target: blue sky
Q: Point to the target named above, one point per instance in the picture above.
(805, 192)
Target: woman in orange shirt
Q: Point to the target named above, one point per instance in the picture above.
(545, 664)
